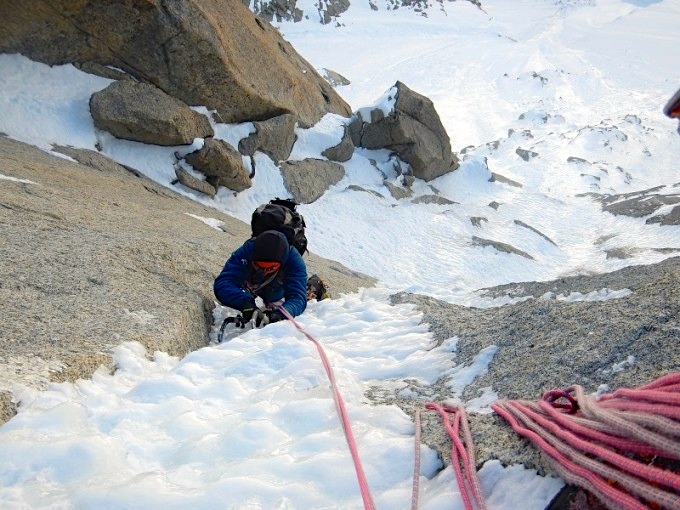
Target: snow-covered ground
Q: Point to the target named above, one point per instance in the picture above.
(251, 423)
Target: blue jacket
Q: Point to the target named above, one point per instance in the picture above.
(290, 283)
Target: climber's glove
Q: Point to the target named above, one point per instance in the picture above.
(244, 318)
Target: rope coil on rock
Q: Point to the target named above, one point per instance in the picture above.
(603, 444)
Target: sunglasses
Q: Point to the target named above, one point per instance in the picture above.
(266, 267)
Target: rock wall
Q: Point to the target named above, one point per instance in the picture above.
(95, 255)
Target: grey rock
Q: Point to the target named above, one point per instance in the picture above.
(494, 205)
(343, 151)
(672, 218)
(544, 343)
(641, 206)
(275, 137)
(276, 10)
(505, 180)
(497, 245)
(334, 78)
(413, 130)
(112, 257)
(221, 164)
(144, 113)
(432, 199)
(329, 10)
(524, 133)
(354, 127)
(477, 220)
(354, 187)
(188, 180)
(307, 180)
(214, 54)
(621, 253)
(522, 224)
(398, 192)
(643, 203)
(525, 154)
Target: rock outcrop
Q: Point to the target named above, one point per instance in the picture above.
(307, 180)
(343, 151)
(221, 164)
(412, 129)
(144, 113)
(213, 53)
(654, 202)
(330, 11)
(95, 254)
(549, 342)
(274, 137)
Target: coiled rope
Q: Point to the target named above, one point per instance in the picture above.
(342, 413)
(605, 445)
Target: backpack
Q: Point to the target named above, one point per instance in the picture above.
(316, 288)
(280, 214)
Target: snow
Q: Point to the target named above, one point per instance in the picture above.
(250, 423)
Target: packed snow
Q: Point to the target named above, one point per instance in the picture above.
(250, 423)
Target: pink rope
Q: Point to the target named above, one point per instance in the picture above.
(589, 441)
(416, 465)
(651, 473)
(665, 381)
(462, 458)
(572, 423)
(342, 413)
(586, 477)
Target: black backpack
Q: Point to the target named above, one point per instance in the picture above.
(280, 214)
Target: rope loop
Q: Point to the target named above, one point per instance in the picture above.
(462, 455)
(557, 398)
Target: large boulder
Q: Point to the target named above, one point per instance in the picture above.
(192, 182)
(144, 113)
(213, 53)
(343, 151)
(412, 129)
(274, 137)
(222, 165)
(307, 180)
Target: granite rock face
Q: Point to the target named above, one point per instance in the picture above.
(547, 342)
(213, 53)
(111, 257)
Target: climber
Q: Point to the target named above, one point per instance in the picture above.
(267, 267)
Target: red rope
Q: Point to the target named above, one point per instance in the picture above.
(462, 456)
(416, 465)
(594, 443)
(342, 413)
